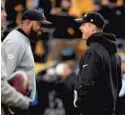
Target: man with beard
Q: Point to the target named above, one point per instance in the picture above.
(98, 82)
(16, 55)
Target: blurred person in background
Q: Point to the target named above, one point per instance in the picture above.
(98, 82)
(50, 78)
(16, 55)
(59, 79)
(65, 5)
(113, 11)
(65, 84)
(79, 7)
(3, 16)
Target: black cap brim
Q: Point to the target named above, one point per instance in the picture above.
(80, 20)
(45, 22)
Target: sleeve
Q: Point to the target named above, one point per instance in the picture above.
(9, 55)
(119, 75)
(86, 79)
(121, 78)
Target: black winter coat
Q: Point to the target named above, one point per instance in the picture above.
(98, 82)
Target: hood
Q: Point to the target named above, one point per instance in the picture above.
(107, 40)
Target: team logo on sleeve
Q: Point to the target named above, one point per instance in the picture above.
(10, 56)
(85, 65)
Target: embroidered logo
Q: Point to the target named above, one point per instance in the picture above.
(85, 65)
(10, 56)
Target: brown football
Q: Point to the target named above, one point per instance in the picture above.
(20, 82)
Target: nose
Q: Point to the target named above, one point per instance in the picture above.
(4, 13)
(40, 31)
(80, 27)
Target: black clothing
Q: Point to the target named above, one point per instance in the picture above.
(94, 18)
(35, 15)
(21, 31)
(98, 82)
(64, 90)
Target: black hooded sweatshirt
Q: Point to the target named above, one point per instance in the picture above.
(98, 81)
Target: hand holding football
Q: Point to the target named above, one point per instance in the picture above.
(20, 82)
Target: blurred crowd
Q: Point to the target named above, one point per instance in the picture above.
(56, 76)
(64, 11)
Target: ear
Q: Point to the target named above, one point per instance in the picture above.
(93, 28)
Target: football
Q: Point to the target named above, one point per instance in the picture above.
(19, 80)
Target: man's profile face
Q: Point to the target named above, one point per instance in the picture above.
(87, 30)
(36, 28)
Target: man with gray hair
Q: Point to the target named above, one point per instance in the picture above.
(98, 82)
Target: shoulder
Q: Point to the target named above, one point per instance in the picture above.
(91, 51)
(16, 39)
(90, 54)
(98, 49)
